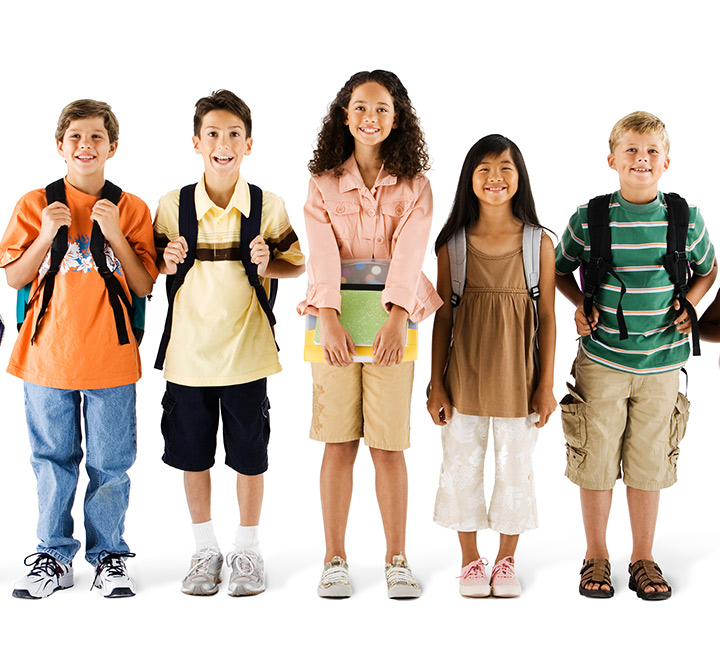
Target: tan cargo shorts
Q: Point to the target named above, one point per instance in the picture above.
(363, 400)
(622, 423)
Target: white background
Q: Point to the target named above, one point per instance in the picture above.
(552, 76)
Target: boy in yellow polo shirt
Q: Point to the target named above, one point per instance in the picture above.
(220, 346)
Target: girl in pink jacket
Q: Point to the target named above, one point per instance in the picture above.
(368, 199)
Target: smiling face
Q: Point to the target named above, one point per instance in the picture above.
(640, 160)
(223, 143)
(86, 146)
(370, 115)
(495, 180)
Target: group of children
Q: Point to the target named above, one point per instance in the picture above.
(85, 254)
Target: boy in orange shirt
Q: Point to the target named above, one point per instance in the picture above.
(82, 255)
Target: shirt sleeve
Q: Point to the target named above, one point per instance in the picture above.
(323, 266)
(139, 233)
(699, 248)
(278, 233)
(571, 248)
(166, 227)
(22, 230)
(408, 253)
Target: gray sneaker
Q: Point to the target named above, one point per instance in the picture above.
(248, 573)
(400, 580)
(335, 581)
(203, 577)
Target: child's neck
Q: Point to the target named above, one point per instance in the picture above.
(638, 196)
(493, 220)
(221, 189)
(91, 184)
(369, 163)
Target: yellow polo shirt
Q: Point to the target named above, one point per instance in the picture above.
(220, 334)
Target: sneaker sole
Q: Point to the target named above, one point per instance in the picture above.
(475, 591)
(25, 594)
(120, 592)
(403, 592)
(506, 591)
(335, 592)
(245, 592)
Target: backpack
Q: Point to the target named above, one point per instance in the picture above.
(675, 260)
(188, 228)
(457, 251)
(134, 306)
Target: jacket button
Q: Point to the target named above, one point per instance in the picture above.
(340, 209)
(399, 210)
(371, 212)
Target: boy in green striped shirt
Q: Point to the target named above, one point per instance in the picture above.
(624, 413)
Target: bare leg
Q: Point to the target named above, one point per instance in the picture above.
(391, 487)
(197, 492)
(596, 512)
(336, 482)
(508, 545)
(468, 547)
(643, 507)
(250, 498)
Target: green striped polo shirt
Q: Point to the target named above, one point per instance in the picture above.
(639, 243)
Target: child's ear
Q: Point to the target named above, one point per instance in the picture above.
(60, 148)
(113, 148)
(345, 115)
(248, 146)
(611, 161)
(196, 144)
(395, 121)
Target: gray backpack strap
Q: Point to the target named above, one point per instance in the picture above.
(532, 239)
(457, 252)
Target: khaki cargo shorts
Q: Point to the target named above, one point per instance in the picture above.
(363, 400)
(622, 423)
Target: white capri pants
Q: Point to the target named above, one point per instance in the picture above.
(460, 502)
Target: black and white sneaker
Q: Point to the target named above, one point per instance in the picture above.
(46, 576)
(111, 576)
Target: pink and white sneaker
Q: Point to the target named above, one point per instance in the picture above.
(473, 580)
(503, 582)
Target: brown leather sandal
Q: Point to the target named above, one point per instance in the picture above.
(596, 571)
(644, 574)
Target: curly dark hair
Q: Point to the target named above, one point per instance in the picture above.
(404, 152)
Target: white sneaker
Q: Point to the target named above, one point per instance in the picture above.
(248, 573)
(400, 580)
(203, 577)
(111, 576)
(335, 580)
(46, 576)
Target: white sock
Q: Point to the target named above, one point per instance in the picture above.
(204, 536)
(247, 538)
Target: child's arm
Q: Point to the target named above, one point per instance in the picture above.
(138, 278)
(438, 403)
(23, 270)
(699, 286)
(567, 285)
(710, 321)
(336, 343)
(389, 344)
(543, 401)
(276, 268)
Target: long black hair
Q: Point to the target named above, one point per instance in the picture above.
(404, 152)
(466, 207)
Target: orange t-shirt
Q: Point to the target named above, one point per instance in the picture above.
(76, 346)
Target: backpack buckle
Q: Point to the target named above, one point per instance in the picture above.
(455, 300)
(534, 292)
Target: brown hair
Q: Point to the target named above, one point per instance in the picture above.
(85, 109)
(404, 152)
(643, 123)
(222, 99)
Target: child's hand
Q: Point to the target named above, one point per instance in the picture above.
(581, 321)
(107, 216)
(682, 323)
(337, 345)
(389, 344)
(543, 403)
(54, 217)
(174, 254)
(260, 254)
(438, 404)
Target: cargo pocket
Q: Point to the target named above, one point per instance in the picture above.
(166, 423)
(678, 425)
(572, 408)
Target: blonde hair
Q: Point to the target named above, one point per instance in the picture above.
(639, 122)
(85, 109)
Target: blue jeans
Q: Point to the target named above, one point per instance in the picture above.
(53, 418)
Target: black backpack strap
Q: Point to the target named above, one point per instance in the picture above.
(54, 192)
(249, 230)
(600, 263)
(187, 228)
(675, 261)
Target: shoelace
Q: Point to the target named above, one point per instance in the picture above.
(504, 569)
(399, 575)
(474, 569)
(335, 575)
(44, 563)
(113, 563)
(242, 562)
(202, 564)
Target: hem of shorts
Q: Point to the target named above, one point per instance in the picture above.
(512, 530)
(184, 469)
(370, 443)
(461, 528)
(223, 381)
(649, 486)
(246, 474)
(318, 438)
(64, 385)
(589, 485)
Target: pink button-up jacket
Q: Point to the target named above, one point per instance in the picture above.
(345, 219)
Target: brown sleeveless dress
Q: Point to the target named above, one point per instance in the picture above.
(492, 371)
